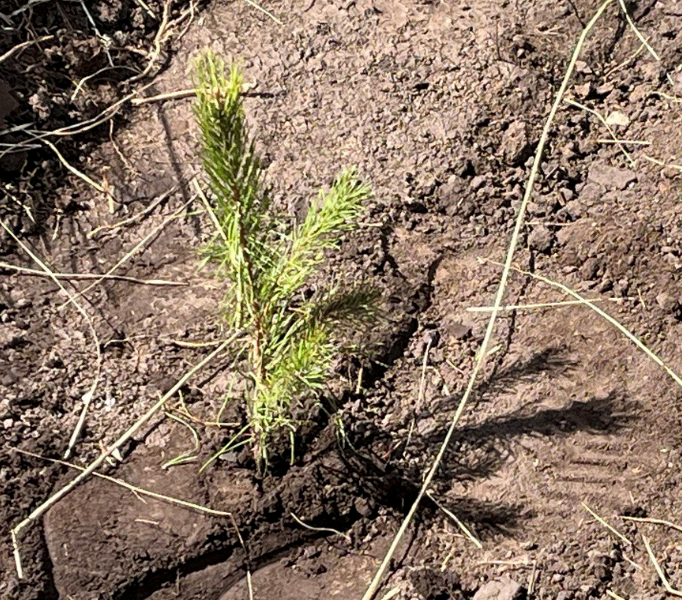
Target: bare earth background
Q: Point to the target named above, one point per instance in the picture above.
(440, 106)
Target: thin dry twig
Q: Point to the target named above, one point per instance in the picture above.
(159, 38)
(177, 95)
(131, 487)
(638, 33)
(614, 595)
(264, 11)
(650, 353)
(483, 351)
(178, 213)
(660, 163)
(422, 378)
(540, 305)
(621, 141)
(136, 217)
(94, 465)
(98, 186)
(87, 397)
(77, 128)
(320, 529)
(12, 51)
(81, 276)
(608, 127)
(664, 580)
(162, 34)
(653, 522)
(608, 526)
(532, 579)
(463, 528)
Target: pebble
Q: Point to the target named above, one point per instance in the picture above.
(667, 302)
(8, 423)
(477, 182)
(611, 177)
(540, 239)
(500, 589)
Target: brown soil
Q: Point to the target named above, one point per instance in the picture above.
(440, 106)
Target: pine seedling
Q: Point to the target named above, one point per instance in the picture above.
(292, 330)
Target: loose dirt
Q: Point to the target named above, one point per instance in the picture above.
(440, 107)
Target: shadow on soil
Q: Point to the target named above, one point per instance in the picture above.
(479, 451)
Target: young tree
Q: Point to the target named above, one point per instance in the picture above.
(290, 337)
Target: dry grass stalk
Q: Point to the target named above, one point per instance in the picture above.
(608, 526)
(483, 351)
(94, 465)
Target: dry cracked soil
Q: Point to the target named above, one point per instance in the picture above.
(440, 106)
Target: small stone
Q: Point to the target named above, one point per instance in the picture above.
(458, 331)
(667, 302)
(639, 93)
(500, 589)
(477, 182)
(590, 268)
(564, 595)
(566, 194)
(557, 578)
(311, 552)
(618, 118)
(605, 286)
(23, 303)
(574, 209)
(515, 146)
(582, 67)
(426, 426)
(590, 194)
(611, 177)
(8, 423)
(363, 507)
(584, 90)
(541, 239)
(605, 88)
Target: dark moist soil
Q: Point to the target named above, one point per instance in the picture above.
(440, 107)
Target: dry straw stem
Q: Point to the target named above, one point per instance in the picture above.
(614, 595)
(94, 465)
(98, 276)
(87, 397)
(265, 12)
(653, 522)
(132, 488)
(463, 528)
(135, 217)
(605, 123)
(603, 521)
(12, 51)
(177, 95)
(320, 529)
(634, 339)
(512, 307)
(664, 580)
(77, 128)
(620, 141)
(178, 213)
(660, 163)
(642, 39)
(159, 39)
(483, 351)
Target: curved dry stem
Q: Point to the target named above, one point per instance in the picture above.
(90, 469)
(483, 351)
